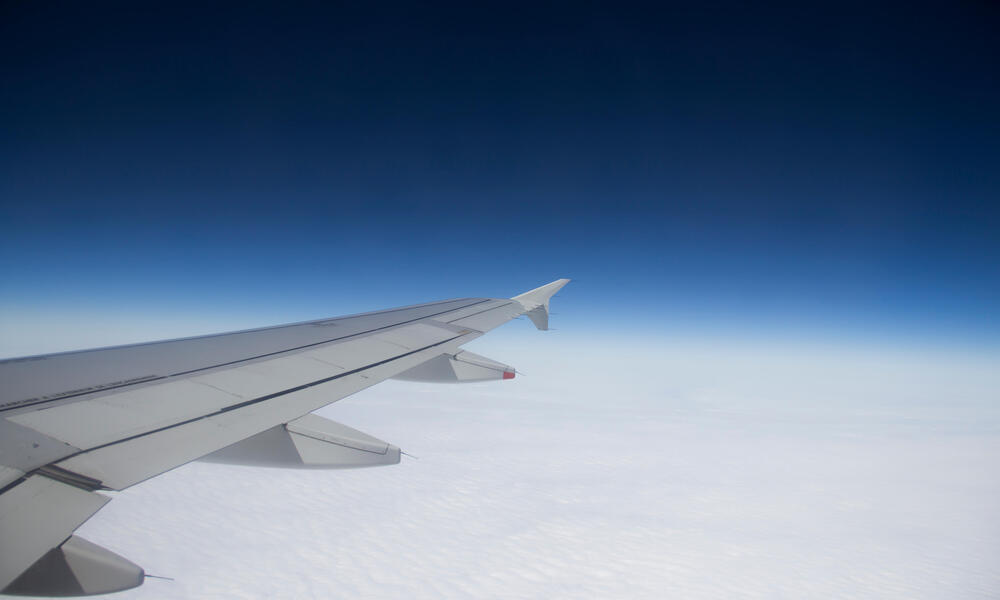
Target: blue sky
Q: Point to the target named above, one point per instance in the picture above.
(780, 172)
(774, 372)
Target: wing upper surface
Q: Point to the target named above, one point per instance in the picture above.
(112, 417)
(37, 380)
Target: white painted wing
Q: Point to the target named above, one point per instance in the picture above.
(75, 423)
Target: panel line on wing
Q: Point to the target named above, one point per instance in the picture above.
(267, 397)
(148, 379)
(37, 357)
(479, 312)
(217, 388)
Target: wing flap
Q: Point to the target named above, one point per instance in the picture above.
(88, 424)
(25, 449)
(418, 335)
(127, 462)
(357, 353)
(9, 475)
(92, 423)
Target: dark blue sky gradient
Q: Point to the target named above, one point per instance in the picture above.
(808, 167)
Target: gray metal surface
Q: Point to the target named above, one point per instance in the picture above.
(36, 516)
(26, 449)
(310, 442)
(9, 475)
(77, 568)
(123, 463)
(323, 429)
(461, 367)
(37, 380)
(489, 319)
(95, 422)
(109, 418)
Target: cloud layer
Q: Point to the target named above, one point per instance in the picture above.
(620, 471)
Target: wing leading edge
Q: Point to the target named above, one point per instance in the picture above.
(77, 423)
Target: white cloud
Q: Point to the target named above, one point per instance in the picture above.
(613, 469)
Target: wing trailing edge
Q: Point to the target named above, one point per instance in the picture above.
(148, 408)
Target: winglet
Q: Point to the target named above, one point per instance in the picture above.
(536, 302)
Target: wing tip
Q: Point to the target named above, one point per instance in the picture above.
(536, 302)
(541, 294)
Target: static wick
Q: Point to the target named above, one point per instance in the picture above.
(410, 455)
(160, 577)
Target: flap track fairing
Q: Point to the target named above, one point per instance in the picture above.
(462, 367)
(311, 442)
(77, 568)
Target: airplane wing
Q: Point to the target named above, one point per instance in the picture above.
(76, 423)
